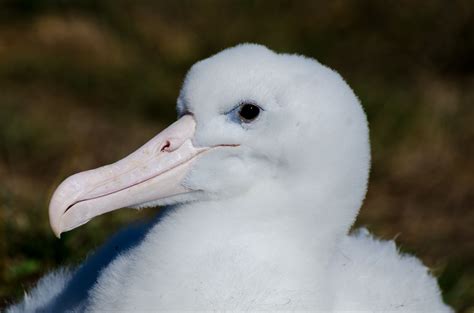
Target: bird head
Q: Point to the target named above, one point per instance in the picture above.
(248, 119)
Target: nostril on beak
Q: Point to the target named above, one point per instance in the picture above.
(166, 146)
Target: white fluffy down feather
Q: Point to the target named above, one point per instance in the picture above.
(268, 226)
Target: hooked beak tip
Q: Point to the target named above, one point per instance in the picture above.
(55, 223)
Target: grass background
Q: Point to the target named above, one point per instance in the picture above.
(83, 82)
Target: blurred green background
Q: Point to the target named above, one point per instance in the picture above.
(82, 83)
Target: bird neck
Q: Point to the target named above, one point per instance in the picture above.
(275, 220)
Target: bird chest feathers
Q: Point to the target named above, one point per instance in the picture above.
(214, 269)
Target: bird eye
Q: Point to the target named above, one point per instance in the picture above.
(248, 112)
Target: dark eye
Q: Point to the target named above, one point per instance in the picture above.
(248, 112)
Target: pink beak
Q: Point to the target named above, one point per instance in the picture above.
(155, 171)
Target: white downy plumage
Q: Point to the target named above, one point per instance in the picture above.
(263, 223)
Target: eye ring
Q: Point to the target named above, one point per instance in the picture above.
(248, 112)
